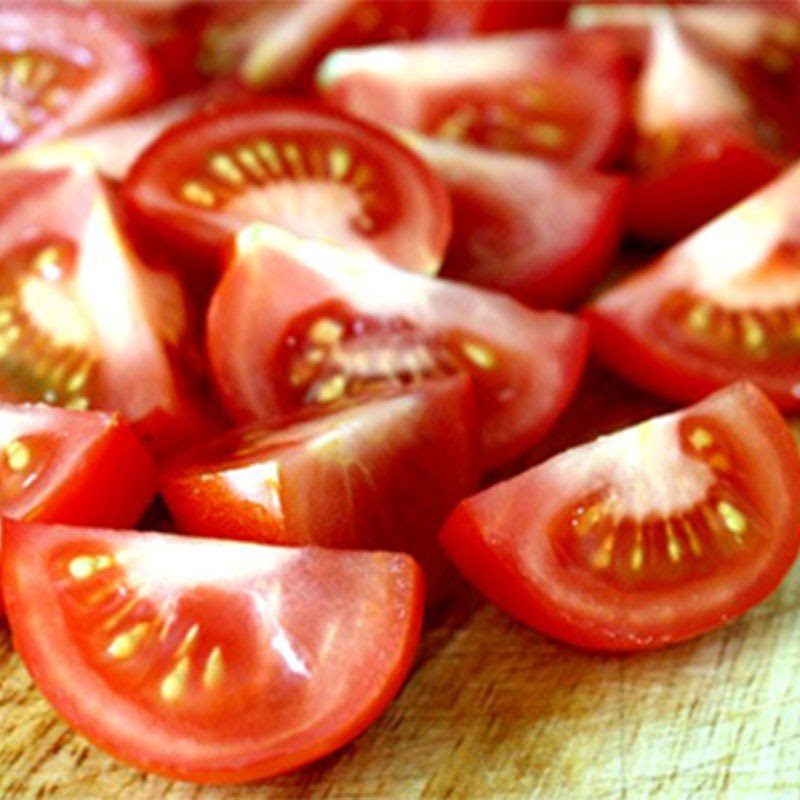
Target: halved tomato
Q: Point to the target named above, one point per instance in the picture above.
(297, 165)
(297, 323)
(205, 660)
(74, 467)
(382, 474)
(646, 537)
(542, 232)
(63, 68)
(557, 94)
(721, 306)
(277, 45)
(82, 322)
(699, 149)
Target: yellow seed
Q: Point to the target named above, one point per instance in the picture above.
(78, 379)
(699, 318)
(326, 331)
(754, 335)
(199, 195)
(735, 521)
(700, 438)
(18, 455)
(588, 519)
(720, 462)
(479, 354)
(546, 134)
(127, 643)
(189, 641)
(226, 169)
(248, 159)
(48, 260)
(637, 557)
(214, 672)
(83, 567)
(457, 124)
(330, 390)
(269, 155)
(339, 162)
(691, 535)
(77, 403)
(21, 69)
(174, 685)
(295, 158)
(362, 177)
(602, 557)
(532, 97)
(674, 549)
(11, 334)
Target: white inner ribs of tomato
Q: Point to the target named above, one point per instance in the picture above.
(334, 353)
(46, 340)
(34, 87)
(320, 190)
(661, 503)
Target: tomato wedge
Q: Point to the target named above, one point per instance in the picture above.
(720, 306)
(383, 474)
(82, 322)
(541, 232)
(63, 68)
(297, 323)
(75, 467)
(646, 537)
(557, 94)
(297, 165)
(206, 660)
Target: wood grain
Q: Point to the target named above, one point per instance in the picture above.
(495, 711)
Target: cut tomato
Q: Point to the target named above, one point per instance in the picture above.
(78, 468)
(382, 474)
(205, 660)
(557, 94)
(700, 149)
(296, 165)
(82, 322)
(721, 306)
(63, 68)
(298, 323)
(646, 537)
(541, 232)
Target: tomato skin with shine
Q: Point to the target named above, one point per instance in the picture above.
(296, 322)
(209, 661)
(380, 474)
(516, 541)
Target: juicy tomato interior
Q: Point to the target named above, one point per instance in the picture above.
(295, 165)
(310, 324)
(645, 537)
(344, 479)
(720, 305)
(557, 95)
(207, 660)
(63, 68)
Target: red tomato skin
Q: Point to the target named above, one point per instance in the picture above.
(205, 499)
(709, 174)
(37, 656)
(467, 539)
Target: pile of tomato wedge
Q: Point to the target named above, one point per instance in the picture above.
(304, 304)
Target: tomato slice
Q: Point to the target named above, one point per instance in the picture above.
(63, 68)
(649, 536)
(296, 165)
(556, 94)
(541, 232)
(206, 660)
(79, 468)
(82, 322)
(297, 323)
(698, 150)
(383, 474)
(721, 306)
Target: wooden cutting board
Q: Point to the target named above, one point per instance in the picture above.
(495, 711)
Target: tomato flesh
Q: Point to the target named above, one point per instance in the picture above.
(296, 165)
(720, 306)
(646, 537)
(383, 474)
(297, 323)
(63, 68)
(558, 95)
(207, 660)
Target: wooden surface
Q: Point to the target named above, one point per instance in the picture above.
(495, 711)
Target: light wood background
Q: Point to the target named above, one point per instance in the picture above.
(495, 711)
